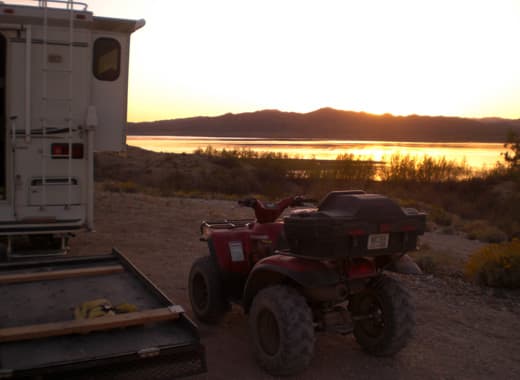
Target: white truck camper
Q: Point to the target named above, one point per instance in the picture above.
(63, 96)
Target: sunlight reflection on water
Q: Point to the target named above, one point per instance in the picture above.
(477, 155)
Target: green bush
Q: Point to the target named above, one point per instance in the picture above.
(496, 265)
(440, 217)
(485, 232)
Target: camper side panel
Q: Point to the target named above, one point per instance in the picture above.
(109, 88)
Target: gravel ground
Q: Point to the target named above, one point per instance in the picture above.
(463, 331)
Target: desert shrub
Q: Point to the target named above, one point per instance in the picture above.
(512, 157)
(492, 235)
(399, 168)
(483, 231)
(426, 169)
(226, 161)
(440, 216)
(351, 168)
(496, 265)
(437, 262)
(448, 230)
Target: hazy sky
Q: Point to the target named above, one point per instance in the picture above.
(429, 57)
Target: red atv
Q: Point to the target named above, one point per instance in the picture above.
(319, 269)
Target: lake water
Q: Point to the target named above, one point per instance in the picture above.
(477, 155)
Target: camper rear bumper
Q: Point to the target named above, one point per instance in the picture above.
(21, 228)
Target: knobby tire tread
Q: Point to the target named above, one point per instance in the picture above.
(399, 318)
(217, 304)
(297, 330)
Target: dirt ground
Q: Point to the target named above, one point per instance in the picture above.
(463, 331)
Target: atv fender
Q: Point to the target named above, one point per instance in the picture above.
(278, 269)
(405, 265)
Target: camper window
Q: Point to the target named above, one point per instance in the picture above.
(107, 59)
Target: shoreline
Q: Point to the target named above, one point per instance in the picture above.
(179, 136)
(478, 156)
(313, 139)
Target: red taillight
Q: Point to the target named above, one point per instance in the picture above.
(356, 232)
(408, 228)
(361, 268)
(61, 150)
(9, 11)
(81, 17)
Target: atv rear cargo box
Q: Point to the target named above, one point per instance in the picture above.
(353, 224)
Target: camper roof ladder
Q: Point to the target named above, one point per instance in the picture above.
(67, 72)
(69, 4)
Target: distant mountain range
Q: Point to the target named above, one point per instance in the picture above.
(328, 123)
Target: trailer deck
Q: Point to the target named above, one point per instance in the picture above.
(38, 334)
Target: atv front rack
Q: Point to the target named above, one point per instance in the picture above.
(226, 224)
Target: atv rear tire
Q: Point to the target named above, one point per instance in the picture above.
(282, 330)
(384, 317)
(205, 289)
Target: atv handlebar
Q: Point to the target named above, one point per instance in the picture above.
(268, 212)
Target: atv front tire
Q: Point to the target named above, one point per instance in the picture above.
(383, 316)
(205, 290)
(282, 330)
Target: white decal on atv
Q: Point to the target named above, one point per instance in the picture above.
(237, 253)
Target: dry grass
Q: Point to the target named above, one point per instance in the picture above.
(440, 262)
(483, 231)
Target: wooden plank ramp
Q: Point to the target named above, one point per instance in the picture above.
(85, 326)
(59, 274)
